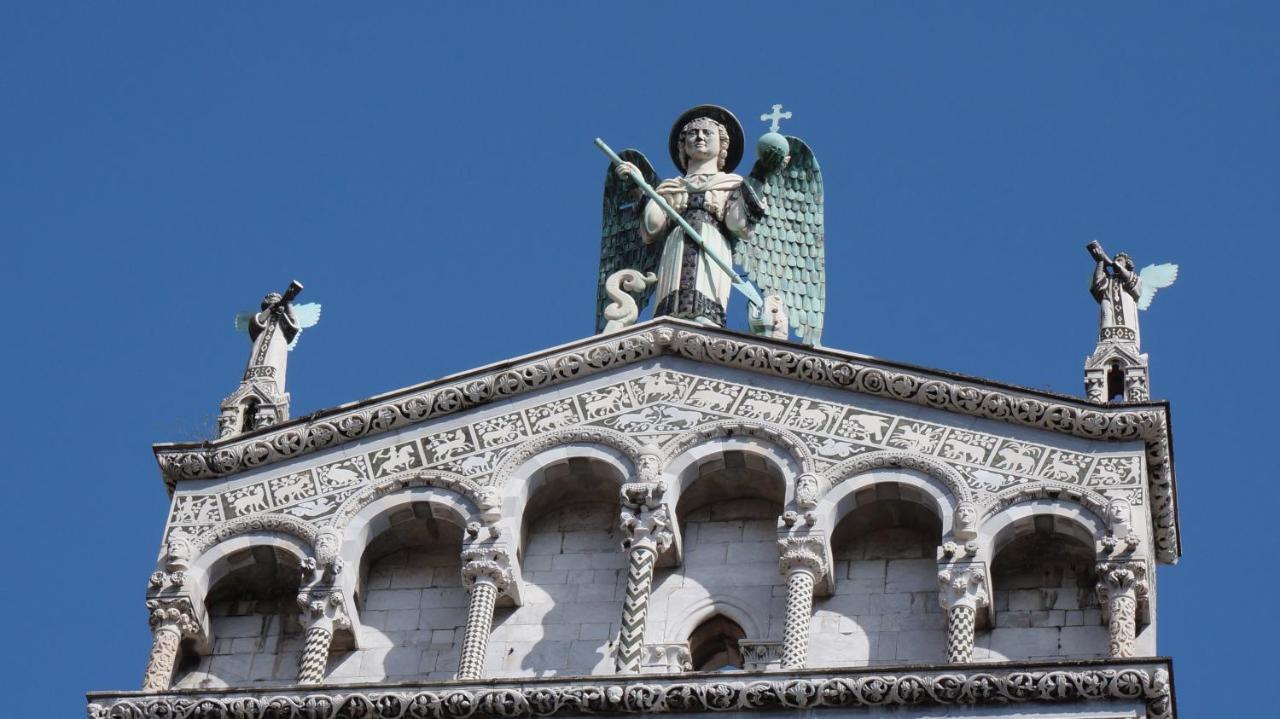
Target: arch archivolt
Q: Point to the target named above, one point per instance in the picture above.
(469, 498)
(700, 610)
(514, 464)
(901, 459)
(211, 564)
(1090, 500)
(1071, 519)
(790, 444)
(837, 503)
(300, 529)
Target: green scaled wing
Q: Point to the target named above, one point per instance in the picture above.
(785, 253)
(621, 246)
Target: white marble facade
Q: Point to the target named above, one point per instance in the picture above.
(776, 517)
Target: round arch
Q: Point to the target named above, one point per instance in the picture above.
(216, 562)
(1065, 517)
(374, 516)
(525, 481)
(554, 446)
(703, 609)
(692, 450)
(924, 489)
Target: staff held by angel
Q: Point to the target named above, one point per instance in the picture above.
(676, 242)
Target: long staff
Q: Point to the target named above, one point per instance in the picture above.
(746, 288)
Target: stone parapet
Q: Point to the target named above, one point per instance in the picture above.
(1139, 686)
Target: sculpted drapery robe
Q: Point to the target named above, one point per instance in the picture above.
(271, 331)
(1117, 294)
(690, 284)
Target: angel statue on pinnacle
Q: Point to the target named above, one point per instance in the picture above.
(679, 246)
(1118, 367)
(261, 399)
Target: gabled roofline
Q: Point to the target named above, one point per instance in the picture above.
(939, 389)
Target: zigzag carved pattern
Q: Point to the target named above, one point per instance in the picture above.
(635, 609)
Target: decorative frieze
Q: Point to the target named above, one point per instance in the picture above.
(1145, 684)
(473, 453)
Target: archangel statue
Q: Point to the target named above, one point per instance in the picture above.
(1117, 367)
(769, 223)
(261, 399)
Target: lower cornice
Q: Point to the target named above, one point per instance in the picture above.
(1145, 681)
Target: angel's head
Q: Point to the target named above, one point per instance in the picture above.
(1125, 261)
(272, 299)
(702, 138)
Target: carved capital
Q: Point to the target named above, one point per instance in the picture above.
(643, 494)
(670, 658)
(1122, 578)
(323, 606)
(645, 526)
(963, 584)
(173, 612)
(802, 553)
(492, 564)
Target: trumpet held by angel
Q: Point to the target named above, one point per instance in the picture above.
(679, 242)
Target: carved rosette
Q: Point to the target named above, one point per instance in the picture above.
(962, 590)
(802, 558)
(172, 619)
(1121, 585)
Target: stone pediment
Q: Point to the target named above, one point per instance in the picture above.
(670, 383)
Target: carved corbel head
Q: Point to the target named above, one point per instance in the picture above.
(325, 564)
(965, 521)
(808, 491)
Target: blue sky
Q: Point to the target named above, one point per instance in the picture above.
(427, 171)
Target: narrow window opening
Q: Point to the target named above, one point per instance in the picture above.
(713, 646)
(250, 413)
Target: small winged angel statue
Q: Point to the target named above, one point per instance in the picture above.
(1121, 292)
(769, 223)
(274, 332)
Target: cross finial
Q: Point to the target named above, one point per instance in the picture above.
(775, 116)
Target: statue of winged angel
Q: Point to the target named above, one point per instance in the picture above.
(678, 246)
(274, 332)
(1121, 292)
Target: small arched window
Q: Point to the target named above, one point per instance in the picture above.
(713, 646)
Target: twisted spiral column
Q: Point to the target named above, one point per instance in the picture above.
(646, 526)
(475, 641)
(171, 620)
(635, 608)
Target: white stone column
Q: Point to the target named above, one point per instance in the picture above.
(962, 591)
(486, 572)
(646, 524)
(802, 559)
(1120, 585)
(172, 619)
(323, 611)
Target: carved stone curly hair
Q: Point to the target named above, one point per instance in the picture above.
(724, 142)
